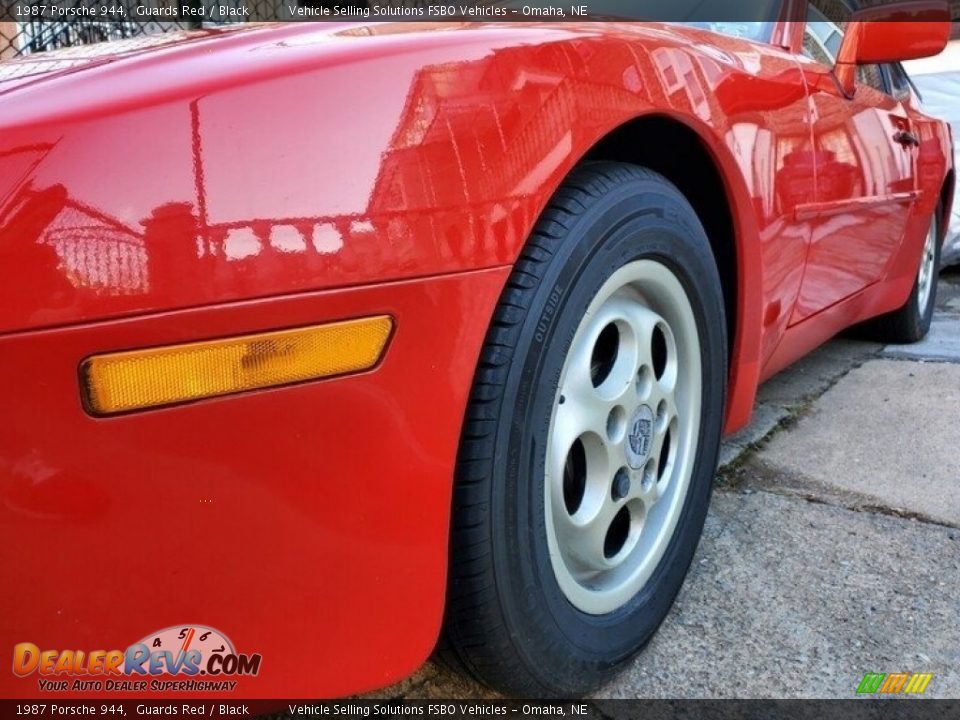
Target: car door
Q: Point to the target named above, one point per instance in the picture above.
(864, 153)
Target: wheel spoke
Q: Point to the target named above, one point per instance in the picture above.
(616, 456)
(667, 378)
(570, 423)
(643, 321)
(666, 413)
(643, 485)
(587, 542)
(656, 458)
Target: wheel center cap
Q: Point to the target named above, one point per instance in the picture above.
(639, 437)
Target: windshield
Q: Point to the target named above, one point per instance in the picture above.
(759, 31)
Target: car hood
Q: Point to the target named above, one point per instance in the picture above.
(133, 178)
(166, 61)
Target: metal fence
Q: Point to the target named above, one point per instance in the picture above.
(19, 38)
(24, 33)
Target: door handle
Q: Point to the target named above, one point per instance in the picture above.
(906, 138)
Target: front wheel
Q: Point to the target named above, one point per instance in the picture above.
(591, 438)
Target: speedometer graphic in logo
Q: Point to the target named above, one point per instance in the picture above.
(189, 650)
(183, 638)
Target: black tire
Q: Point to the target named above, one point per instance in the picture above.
(507, 622)
(909, 323)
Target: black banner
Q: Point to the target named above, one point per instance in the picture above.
(854, 709)
(202, 12)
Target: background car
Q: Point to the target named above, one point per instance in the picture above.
(937, 79)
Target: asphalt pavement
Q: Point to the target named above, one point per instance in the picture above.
(832, 547)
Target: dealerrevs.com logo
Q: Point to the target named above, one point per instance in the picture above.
(182, 658)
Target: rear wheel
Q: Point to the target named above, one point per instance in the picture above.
(911, 322)
(591, 438)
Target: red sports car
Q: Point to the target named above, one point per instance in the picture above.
(318, 338)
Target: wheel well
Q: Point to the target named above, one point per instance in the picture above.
(946, 200)
(677, 152)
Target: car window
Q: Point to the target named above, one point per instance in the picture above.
(823, 35)
(899, 82)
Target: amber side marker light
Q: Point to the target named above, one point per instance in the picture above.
(138, 379)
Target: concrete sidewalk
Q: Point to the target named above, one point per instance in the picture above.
(832, 548)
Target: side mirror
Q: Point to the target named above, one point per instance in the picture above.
(890, 33)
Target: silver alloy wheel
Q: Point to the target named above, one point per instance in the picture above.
(623, 437)
(925, 274)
